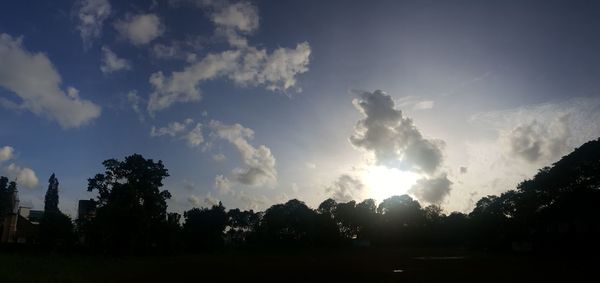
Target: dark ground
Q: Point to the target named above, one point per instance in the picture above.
(367, 265)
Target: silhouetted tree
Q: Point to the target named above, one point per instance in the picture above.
(3, 196)
(402, 218)
(289, 225)
(204, 227)
(131, 207)
(241, 226)
(51, 199)
(56, 229)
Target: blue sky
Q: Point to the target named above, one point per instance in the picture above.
(253, 103)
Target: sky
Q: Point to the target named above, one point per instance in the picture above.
(253, 103)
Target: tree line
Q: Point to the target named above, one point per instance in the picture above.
(555, 211)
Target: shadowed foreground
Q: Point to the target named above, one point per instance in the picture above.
(352, 265)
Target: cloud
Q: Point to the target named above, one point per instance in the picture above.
(91, 15)
(6, 153)
(235, 20)
(222, 184)
(135, 101)
(210, 201)
(432, 190)
(45, 98)
(310, 165)
(345, 188)
(24, 176)
(259, 163)
(172, 129)
(495, 166)
(194, 200)
(185, 130)
(182, 86)
(219, 157)
(240, 16)
(535, 141)
(423, 105)
(140, 29)
(249, 67)
(112, 63)
(392, 138)
(463, 170)
(178, 49)
(194, 137)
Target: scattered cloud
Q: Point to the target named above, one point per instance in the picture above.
(24, 176)
(182, 86)
(112, 63)
(186, 130)
(45, 97)
(194, 137)
(233, 21)
(136, 103)
(432, 190)
(6, 153)
(140, 29)
(423, 105)
(222, 184)
(345, 188)
(172, 129)
(91, 15)
(393, 139)
(177, 49)
(535, 141)
(193, 200)
(249, 67)
(258, 163)
(219, 157)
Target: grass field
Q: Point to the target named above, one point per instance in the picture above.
(368, 265)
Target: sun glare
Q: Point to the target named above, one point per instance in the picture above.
(383, 182)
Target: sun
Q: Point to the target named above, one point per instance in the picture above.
(383, 182)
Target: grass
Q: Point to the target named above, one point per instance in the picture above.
(368, 265)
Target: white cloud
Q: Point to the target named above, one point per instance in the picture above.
(91, 15)
(172, 129)
(234, 21)
(194, 137)
(194, 200)
(185, 130)
(240, 16)
(259, 163)
(183, 86)
(540, 132)
(222, 184)
(423, 105)
(178, 49)
(345, 188)
(45, 98)
(112, 63)
(140, 29)
(24, 176)
(135, 101)
(249, 67)
(6, 153)
(219, 157)
(392, 138)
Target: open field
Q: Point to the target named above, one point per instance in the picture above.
(354, 266)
